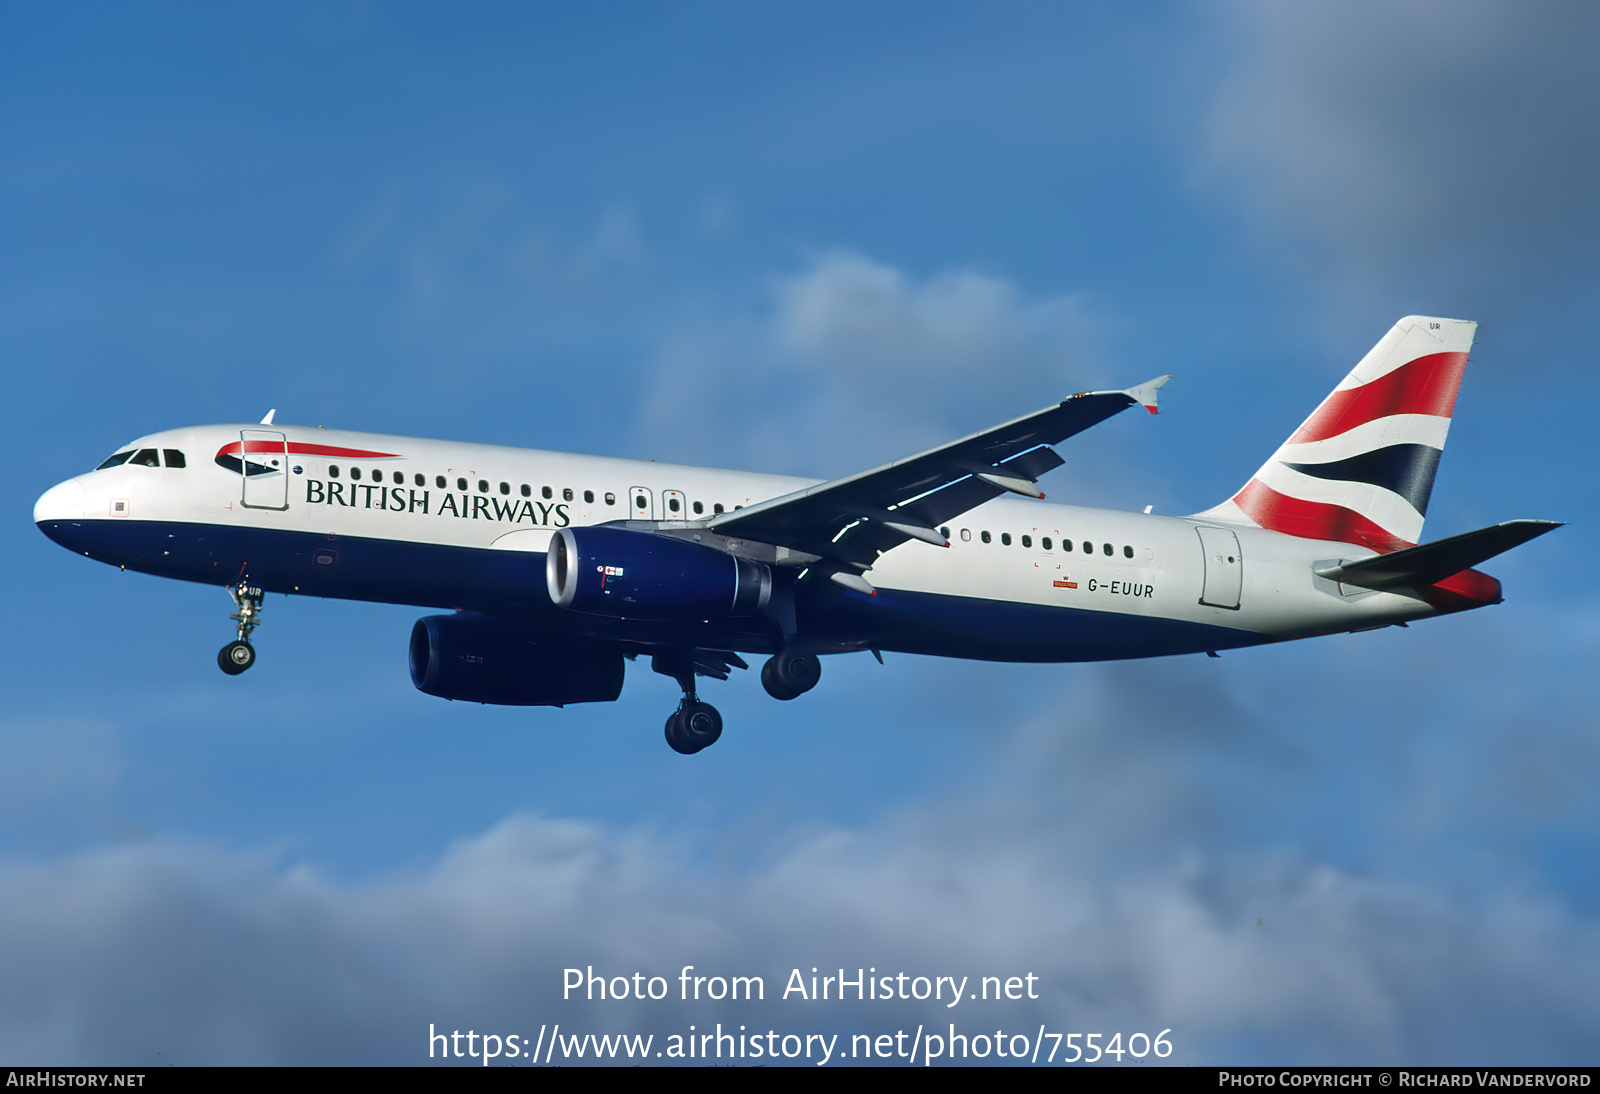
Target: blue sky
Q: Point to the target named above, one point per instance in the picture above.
(803, 238)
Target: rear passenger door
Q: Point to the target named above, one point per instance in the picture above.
(1224, 567)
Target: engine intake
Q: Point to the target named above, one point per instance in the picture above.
(641, 575)
(484, 660)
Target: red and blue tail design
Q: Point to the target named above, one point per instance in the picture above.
(1360, 469)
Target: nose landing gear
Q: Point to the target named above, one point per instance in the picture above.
(239, 654)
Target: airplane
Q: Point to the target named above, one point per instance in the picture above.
(558, 568)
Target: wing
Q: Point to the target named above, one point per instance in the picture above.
(844, 525)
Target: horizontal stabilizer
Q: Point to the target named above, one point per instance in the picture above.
(1429, 563)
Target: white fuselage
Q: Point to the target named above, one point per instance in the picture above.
(340, 519)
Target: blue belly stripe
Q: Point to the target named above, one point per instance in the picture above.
(511, 585)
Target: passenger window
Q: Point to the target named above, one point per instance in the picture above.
(333, 471)
(461, 484)
(1088, 548)
(420, 480)
(483, 486)
(1107, 548)
(672, 503)
(548, 493)
(505, 488)
(116, 460)
(588, 497)
(945, 532)
(985, 537)
(355, 472)
(145, 457)
(611, 499)
(699, 507)
(717, 508)
(439, 481)
(1127, 552)
(174, 457)
(639, 501)
(527, 491)
(966, 535)
(1027, 541)
(566, 495)
(1045, 543)
(1005, 538)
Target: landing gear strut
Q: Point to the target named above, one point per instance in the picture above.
(239, 654)
(694, 725)
(791, 673)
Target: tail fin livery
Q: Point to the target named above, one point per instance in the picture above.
(1360, 469)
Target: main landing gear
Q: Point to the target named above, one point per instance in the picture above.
(791, 673)
(694, 725)
(239, 654)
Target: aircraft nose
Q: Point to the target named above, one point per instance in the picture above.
(64, 501)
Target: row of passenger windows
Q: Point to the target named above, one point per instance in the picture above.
(144, 457)
(675, 506)
(1045, 542)
(464, 484)
(484, 487)
(148, 457)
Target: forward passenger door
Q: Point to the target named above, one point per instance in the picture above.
(263, 469)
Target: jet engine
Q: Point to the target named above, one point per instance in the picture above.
(641, 575)
(484, 660)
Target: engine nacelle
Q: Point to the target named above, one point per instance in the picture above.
(483, 660)
(641, 575)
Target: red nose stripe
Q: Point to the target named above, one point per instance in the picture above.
(300, 449)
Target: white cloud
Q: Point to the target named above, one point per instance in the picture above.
(860, 361)
(1087, 854)
(1415, 133)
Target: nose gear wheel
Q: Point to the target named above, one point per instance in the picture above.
(239, 654)
(235, 657)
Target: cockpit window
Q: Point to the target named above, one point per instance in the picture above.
(145, 457)
(173, 457)
(116, 461)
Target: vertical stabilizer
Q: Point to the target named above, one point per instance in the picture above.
(1361, 468)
